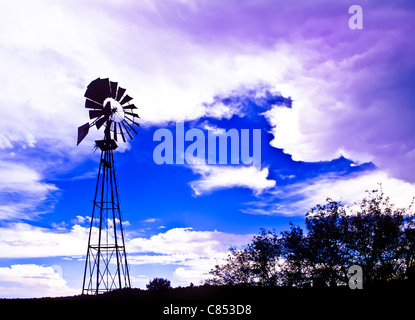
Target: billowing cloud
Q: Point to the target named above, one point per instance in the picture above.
(193, 252)
(355, 97)
(26, 241)
(214, 177)
(31, 281)
(186, 241)
(22, 240)
(351, 94)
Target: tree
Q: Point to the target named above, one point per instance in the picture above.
(295, 255)
(379, 235)
(236, 270)
(327, 254)
(374, 235)
(264, 252)
(158, 284)
(257, 264)
(408, 250)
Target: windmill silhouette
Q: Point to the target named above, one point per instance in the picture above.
(106, 266)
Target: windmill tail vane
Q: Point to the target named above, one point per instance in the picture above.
(106, 266)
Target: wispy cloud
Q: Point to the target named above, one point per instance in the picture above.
(149, 220)
(23, 192)
(297, 198)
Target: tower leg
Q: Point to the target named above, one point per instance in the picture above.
(106, 265)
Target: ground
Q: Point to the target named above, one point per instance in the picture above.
(224, 302)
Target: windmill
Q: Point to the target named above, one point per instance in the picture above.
(106, 265)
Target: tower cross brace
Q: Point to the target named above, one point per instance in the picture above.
(106, 266)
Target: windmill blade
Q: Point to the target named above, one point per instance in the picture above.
(101, 121)
(128, 132)
(95, 113)
(132, 114)
(135, 123)
(92, 104)
(126, 99)
(130, 106)
(115, 132)
(98, 90)
(130, 126)
(114, 86)
(120, 93)
(82, 132)
(122, 133)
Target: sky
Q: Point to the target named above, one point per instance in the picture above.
(334, 106)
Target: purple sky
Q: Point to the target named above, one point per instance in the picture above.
(353, 95)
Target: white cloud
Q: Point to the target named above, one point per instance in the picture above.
(42, 50)
(45, 49)
(188, 267)
(20, 178)
(50, 52)
(358, 105)
(214, 177)
(184, 276)
(194, 252)
(22, 240)
(352, 189)
(18, 181)
(31, 280)
(148, 220)
(186, 241)
(298, 198)
(160, 259)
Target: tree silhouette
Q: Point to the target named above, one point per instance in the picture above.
(254, 265)
(158, 284)
(295, 255)
(377, 235)
(327, 255)
(264, 252)
(374, 234)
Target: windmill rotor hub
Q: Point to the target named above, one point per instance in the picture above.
(117, 112)
(109, 106)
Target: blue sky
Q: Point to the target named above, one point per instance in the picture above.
(334, 106)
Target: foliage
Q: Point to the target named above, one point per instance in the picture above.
(158, 284)
(374, 234)
(253, 265)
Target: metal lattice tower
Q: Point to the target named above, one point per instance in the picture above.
(106, 266)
